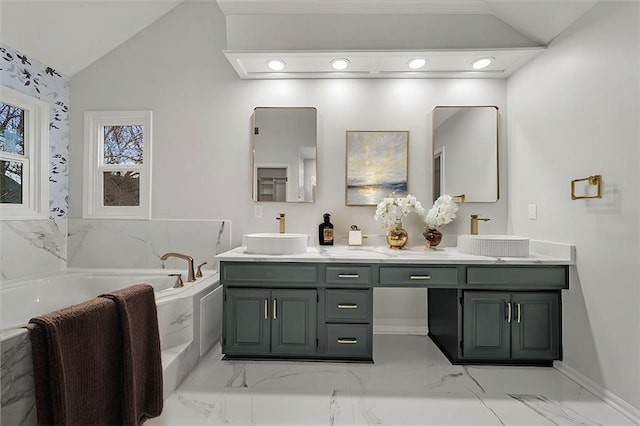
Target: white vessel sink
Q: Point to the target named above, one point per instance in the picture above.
(272, 243)
(494, 245)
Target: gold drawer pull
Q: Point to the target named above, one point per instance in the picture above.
(347, 340)
(420, 277)
(347, 306)
(348, 275)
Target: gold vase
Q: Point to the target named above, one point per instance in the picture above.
(433, 237)
(396, 236)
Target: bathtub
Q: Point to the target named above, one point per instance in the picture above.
(189, 321)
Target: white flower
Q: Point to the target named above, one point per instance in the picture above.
(393, 209)
(443, 211)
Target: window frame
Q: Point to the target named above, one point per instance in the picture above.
(35, 169)
(94, 167)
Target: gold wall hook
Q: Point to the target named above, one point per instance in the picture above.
(595, 180)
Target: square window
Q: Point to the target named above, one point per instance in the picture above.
(11, 129)
(10, 182)
(123, 144)
(121, 188)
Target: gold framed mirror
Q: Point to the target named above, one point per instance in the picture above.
(284, 158)
(466, 153)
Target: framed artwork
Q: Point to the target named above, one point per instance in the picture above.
(377, 165)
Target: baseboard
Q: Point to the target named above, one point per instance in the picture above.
(608, 397)
(416, 328)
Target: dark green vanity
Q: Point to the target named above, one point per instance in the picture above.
(308, 309)
(297, 310)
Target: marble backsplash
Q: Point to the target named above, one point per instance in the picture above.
(30, 247)
(99, 243)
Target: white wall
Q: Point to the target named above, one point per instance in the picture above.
(202, 134)
(574, 112)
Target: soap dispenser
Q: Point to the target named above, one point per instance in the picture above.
(325, 231)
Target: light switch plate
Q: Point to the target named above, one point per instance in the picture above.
(257, 211)
(533, 212)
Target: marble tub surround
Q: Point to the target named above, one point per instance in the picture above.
(141, 243)
(31, 247)
(186, 332)
(17, 393)
(410, 383)
(554, 254)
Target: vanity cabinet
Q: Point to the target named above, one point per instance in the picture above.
(504, 315)
(491, 314)
(511, 325)
(297, 310)
(261, 322)
(348, 331)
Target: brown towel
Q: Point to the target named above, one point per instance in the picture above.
(142, 391)
(77, 366)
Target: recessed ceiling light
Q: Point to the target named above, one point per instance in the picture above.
(417, 63)
(483, 62)
(276, 64)
(340, 64)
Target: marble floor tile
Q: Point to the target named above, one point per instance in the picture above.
(411, 383)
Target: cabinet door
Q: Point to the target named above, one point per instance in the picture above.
(485, 326)
(247, 321)
(535, 327)
(294, 319)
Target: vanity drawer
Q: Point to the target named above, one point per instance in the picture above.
(352, 340)
(417, 275)
(348, 305)
(519, 275)
(268, 272)
(348, 274)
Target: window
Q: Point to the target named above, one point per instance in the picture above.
(117, 164)
(24, 149)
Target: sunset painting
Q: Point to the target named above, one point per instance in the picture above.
(376, 166)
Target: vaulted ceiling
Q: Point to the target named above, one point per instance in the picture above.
(71, 34)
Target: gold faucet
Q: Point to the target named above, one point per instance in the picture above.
(474, 223)
(190, 275)
(281, 220)
(199, 270)
(179, 283)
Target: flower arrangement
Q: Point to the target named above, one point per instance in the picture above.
(443, 211)
(393, 209)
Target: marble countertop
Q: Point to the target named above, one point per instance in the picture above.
(542, 253)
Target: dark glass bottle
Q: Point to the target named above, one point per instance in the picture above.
(325, 231)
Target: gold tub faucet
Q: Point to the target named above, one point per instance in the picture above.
(474, 223)
(190, 274)
(281, 220)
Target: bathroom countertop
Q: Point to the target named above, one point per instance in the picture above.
(544, 253)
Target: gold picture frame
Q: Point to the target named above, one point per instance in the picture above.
(377, 164)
